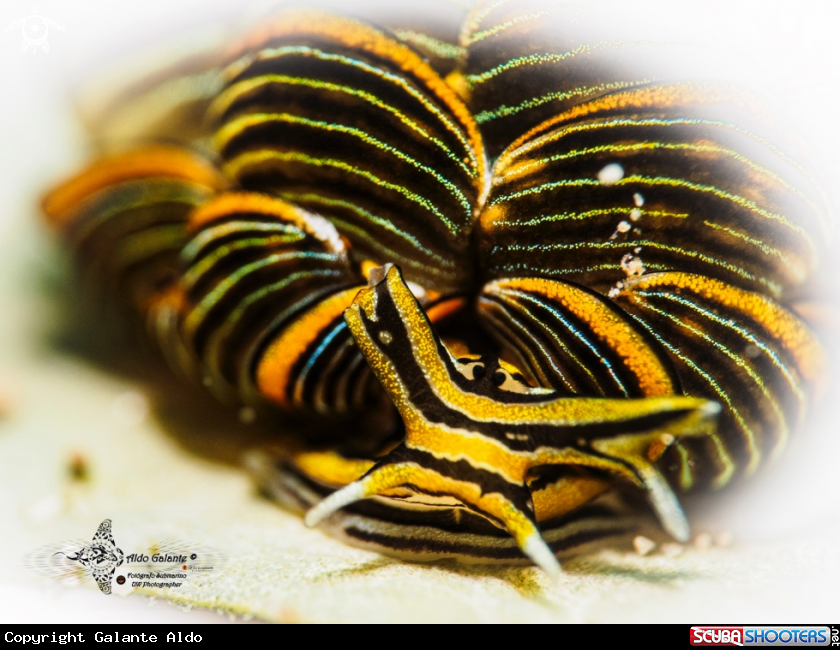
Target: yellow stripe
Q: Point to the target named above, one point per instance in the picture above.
(330, 468)
(236, 127)
(494, 504)
(235, 167)
(665, 96)
(493, 456)
(484, 409)
(566, 495)
(357, 36)
(778, 321)
(225, 99)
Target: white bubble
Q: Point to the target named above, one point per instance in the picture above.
(635, 214)
(643, 545)
(611, 174)
(418, 291)
(632, 265)
(638, 199)
(623, 227)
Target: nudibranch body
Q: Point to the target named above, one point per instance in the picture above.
(510, 359)
(474, 433)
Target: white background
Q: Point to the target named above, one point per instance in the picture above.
(794, 48)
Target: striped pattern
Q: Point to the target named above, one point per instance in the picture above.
(475, 436)
(739, 348)
(125, 217)
(574, 340)
(612, 292)
(426, 534)
(336, 117)
(258, 307)
(696, 194)
(524, 63)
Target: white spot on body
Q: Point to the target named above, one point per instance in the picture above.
(638, 199)
(611, 174)
(623, 227)
(632, 265)
(510, 384)
(385, 337)
(322, 229)
(643, 545)
(418, 291)
(635, 214)
(468, 370)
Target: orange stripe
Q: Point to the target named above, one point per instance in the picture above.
(274, 371)
(232, 203)
(357, 36)
(445, 308)
(781, 324)
(610, 328)
(147, 162)
(658, 96)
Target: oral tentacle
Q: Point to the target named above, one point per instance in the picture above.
(508, 508)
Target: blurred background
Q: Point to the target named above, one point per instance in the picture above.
(63, 396)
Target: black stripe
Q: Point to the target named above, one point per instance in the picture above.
(424, 399)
